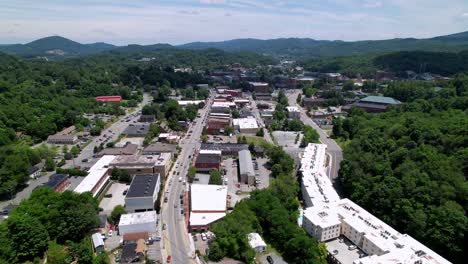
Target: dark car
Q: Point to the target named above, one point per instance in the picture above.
(109, 195)
(270, 260)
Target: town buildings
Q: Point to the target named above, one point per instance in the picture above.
(226, 148)
(58, 182)
(293, 112)
(110, 98)
(207, 205)
(208, 160)
(128, 149)
(246, 168)
(66, 136)
(142, 193)
(143, 164)
(247, 125)
(97, 178)
(328, 217)
(373, 104)
(159, 148)
(138, 222)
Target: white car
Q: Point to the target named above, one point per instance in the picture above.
(110, 233)
(203, 236)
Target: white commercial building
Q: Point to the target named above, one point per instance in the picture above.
(138, 222)
(190, 102)
(97, 178)
(256, 242)
(246, 125)
(293, 112)
(207, 204)
(327, 217)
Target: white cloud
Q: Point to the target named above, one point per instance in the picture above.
(373, 4)
(465, 14)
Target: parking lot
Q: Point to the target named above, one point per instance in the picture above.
(287, 138)
(116, 190)
(262, 172)
(202, 244)
(222, 139)
(339, 248)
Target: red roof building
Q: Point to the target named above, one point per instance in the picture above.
(110, 98)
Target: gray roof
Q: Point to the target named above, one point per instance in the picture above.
(97, 240)
(245, 163)
(224, 147)
(142, 185)
(137, 129)
(380, 100)
(160, 147)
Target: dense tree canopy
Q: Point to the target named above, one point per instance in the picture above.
(408, 166)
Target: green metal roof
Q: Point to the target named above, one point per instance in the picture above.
(380, 100)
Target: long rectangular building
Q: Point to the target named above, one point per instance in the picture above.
(97, 178)
(327, 217)
(246, 168)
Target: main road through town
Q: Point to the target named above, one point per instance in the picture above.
(333, 150)
(175, 238)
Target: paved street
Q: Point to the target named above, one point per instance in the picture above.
(260, 122)
(175, 238)
(333, 150)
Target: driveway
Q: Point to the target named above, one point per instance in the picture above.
(108, 204)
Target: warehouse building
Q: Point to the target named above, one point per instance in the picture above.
(58, 182)
(143, 193)
(207, 205)
(138, 222)
(208, 160)
(226, 148)
(97, 178)
(128, 149)
(293, 112)
(158, 148)
(246, 167)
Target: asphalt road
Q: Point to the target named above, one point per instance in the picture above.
(175, 237)
(260, 122)
(333, 149)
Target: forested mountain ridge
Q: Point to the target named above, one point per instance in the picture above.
(54, 45)
(305, 47)
(292, 47)
(408, 165)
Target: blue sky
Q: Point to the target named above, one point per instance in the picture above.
(180, 21)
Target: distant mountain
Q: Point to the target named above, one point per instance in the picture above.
(299, 47)
(55, 46)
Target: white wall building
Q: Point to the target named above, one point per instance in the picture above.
(327, 217)
(256, 242)
(293, 112)
(207, 205)
(97, 178)
(138, 222)
(246, 125)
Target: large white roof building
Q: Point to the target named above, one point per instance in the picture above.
(97, 177)
(208, 204)
(327, 217)
(246, 125)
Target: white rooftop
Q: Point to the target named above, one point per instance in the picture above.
(323, 216)
(138, 218)
(208, 198)
(258, 83)
(255, 240)
(245, 123)
(96, 172)
(198, 219)
(209, 151)
(223, 104)
(188, 102)
(313, 159)
(292, 109)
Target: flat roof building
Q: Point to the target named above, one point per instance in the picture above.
(246, 168)
(138, 222)
(142, 193)
(109, 98)
(246, 125)
(143, 164)
(293, 112)
(128, 149)
(158, 148)
(137, 130)
(207, 205)
(226, 148)
(58, 182)
(97, 178)
(98, 242)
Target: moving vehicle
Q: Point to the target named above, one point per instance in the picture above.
(270, 259)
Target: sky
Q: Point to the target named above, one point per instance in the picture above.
(123, 22)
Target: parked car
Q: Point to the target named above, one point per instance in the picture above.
(335, 252)
(109, 195)
(125, 192)
(270, 259)
(203, 236)
(110, 233)
(352, 247)
(168, 259)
